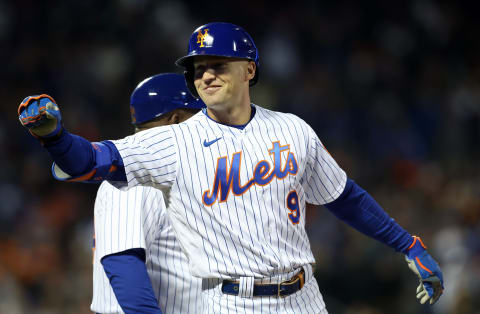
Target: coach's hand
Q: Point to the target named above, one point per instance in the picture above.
(40, 114)
(422, 264)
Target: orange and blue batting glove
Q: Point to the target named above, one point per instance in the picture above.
(426, 268)
(41, 115)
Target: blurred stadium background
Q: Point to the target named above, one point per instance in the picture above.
(391, 87)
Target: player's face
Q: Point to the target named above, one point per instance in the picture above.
(222, 81)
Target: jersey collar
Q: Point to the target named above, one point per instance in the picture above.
(240, 127)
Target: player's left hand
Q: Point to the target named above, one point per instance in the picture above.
(426, 268)
(41, 115)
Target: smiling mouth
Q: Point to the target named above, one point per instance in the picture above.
(211, 89)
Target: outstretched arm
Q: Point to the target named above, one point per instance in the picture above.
(76, 158)
(358, 209)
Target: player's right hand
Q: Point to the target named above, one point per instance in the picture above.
(426, 268)
(41, 115)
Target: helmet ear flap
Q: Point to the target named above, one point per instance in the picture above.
(189, 74)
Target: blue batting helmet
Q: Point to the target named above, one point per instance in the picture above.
(160, 94)
(222, 40)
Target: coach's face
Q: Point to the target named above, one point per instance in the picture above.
(223, 81)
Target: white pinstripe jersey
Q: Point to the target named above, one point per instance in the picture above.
(136, 218)
(237, 197)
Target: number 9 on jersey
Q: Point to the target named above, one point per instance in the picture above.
(293, 207)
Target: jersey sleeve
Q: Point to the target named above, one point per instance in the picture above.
(149, 157)
(324, 179)
(125, 218)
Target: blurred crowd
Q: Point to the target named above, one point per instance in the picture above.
(392, 88)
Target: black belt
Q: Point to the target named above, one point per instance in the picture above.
(282, 289)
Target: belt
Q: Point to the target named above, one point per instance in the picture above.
(282, 289)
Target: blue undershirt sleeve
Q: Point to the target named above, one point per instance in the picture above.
(72, 153)
(130, 282)
(359, 210)
(86, 161)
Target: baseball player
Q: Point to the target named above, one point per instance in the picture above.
(138, 264)
(239, 177)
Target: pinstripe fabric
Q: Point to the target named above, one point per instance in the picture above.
(252, 228)
(136, 218)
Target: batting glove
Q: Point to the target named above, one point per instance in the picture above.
(427, 270)
(40, 114)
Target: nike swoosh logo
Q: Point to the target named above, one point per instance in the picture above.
(206, 144)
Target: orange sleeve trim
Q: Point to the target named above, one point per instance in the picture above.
(421, 265)
(85, 177)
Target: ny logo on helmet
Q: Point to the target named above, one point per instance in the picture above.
(205, 37)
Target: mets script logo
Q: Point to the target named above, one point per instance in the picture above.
(229, 180)
(202, 37)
